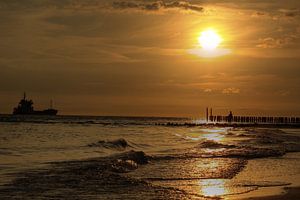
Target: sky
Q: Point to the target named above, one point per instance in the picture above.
(139, 57)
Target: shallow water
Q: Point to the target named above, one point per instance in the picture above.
(133, 158)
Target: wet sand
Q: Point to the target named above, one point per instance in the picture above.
(276, 178)
(290, 194)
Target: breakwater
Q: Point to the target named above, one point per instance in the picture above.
(254, 119)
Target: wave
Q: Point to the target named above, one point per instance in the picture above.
(275, 139)
(128, 161)
(213, 145)
(137, 156)
(243, 151)
(251, 153)
(5, 151)
(229, 153)
(118, 144)
(264, 184)
(88, 179)
(213, 149)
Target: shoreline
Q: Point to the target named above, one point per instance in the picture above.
(290, 193)
(276, 178)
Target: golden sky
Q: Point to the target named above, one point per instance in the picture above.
(111, 57)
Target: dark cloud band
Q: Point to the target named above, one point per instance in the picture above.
(98, 4)
(157, 5)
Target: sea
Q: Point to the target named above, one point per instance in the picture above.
(88, 157)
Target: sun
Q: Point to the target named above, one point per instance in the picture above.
(209, 44)
(209, 40)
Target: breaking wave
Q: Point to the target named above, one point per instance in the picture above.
(213, 145)
(88, 179)
(119, 144)
(216, 149)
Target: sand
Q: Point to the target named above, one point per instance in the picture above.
(290, 194)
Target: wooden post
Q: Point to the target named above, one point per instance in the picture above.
(206, 115)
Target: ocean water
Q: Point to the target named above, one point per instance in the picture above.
(72, 157)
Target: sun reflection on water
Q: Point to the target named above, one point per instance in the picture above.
(213, 187)
(216, 137)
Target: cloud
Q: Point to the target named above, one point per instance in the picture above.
(283, 93)
(258, 14)
(290, 12)
(57, 4)
(270, 42)
(231, 90)
(208, 90)
(157, 5)
(153, 5)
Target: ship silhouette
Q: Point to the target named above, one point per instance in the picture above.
(25, 107)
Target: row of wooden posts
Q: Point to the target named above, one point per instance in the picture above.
(254, 120)
(249, 119)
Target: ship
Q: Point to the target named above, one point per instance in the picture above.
(25, 107)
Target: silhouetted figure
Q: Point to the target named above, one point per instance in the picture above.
(230, 117)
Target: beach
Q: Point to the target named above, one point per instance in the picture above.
(134, 158)
(149, 100)
(290, 193)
